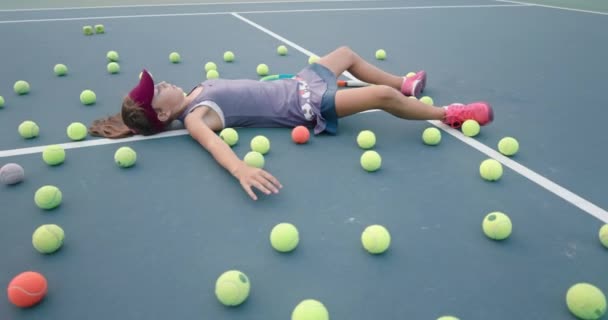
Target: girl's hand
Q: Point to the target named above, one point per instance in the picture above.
(254, 177)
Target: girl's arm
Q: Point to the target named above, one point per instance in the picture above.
(248, 176)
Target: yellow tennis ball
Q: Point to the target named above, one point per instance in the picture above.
(254, 159)
(228, 56)
(28, 129)
(1, 102)
(48, 197)
(282, 50)
(262, 69)
(88, 30)
(410, 74)
(232, 288)
(376, 239)
(313, 59)
(470, 128)
(48, 238)
(366, 139)
(427, 100)
(508, 146)
(310, 309)
(210, 66)
(53, 155)
(112, 56)
(497, 226)
(260, 144)
(490, 170)
(603, 235)
(230, 136)
(21, 87)
(431, 136)
(76, 131)
(586, 301)
(174, 57)
(113, 68)
(88, 97)
(213, 74)
(284, 237)
(380, 54)
(125, 157)
(99, 28)
(60, 69)
(447, 318)
(371, 160)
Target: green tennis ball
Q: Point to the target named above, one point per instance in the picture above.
(284, 237)
(228, 56)
(48, 238)
(232, 288)
(28, 129)
(254, 159)
(375, 239)
(586, 301)
(313, 59)
(497, 226)
(470, 128)
(366, 139)
(174, 57)
(508, 146)
(230, 136)
(113, 67)
(260, 144)
(1, 102)
(603, 235)
(427, 100)
(431, 136)
(21, 87)
(447, 318)
(53, 155)
(210, 66)
(410, 74)
(381, 54)
(60, 70)
(87, 30)
(282, 50)
(310, 309)
(490, 170)
(371, 161)
(99, 28)
(213, 74)
(112, 56)
(262, 69)
(88, 97)
(125, 157)
(76, 131)
(48, 197)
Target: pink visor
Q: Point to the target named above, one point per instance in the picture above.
(142, 94)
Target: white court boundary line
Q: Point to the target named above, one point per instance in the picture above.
(553, 7)
(263, 12)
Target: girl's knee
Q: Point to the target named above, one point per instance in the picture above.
(385, 93)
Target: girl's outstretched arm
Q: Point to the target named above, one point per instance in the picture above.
(249, 177)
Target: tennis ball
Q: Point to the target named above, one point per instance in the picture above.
(497, 226)
(300, 134)
(228, 56)
(254, 159)
(508, 146)
(431, 136)
(11, 173)
(87, 30)
(53, 155)
(60, 70)
(232, 288)
(282, 50)
(210, 66)
(76, 131)
(48, 238)
(99, 28)
(260, 144)
(125, 157)
(284, 237)
(48, 197)
(174, 57)
(1, 102)
(213, 74)
(603, 234)
(230, 136)
(88, 97)
(112, 56)
(470, 128)
(447, 318)
(262, 69)
(586, 301)
(427, 100)
(28, 129)
(310, 309)
(371, 161)
(380, 54)
(366, 139)
(21, 87)
(27, 289)
(490, 170)
(375, 239)
(113, 67)
(410, 74)
(313, 59)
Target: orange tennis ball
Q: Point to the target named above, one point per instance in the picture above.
(300, 134)
(27, 289)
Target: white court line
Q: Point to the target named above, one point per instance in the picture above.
(549, 185)
(262, 12)
(553, 7)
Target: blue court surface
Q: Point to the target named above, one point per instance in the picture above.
(149, 242)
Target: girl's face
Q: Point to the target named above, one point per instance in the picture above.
(168, 98)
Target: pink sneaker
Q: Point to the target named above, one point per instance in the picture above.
(413, 86)
(457, 113)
